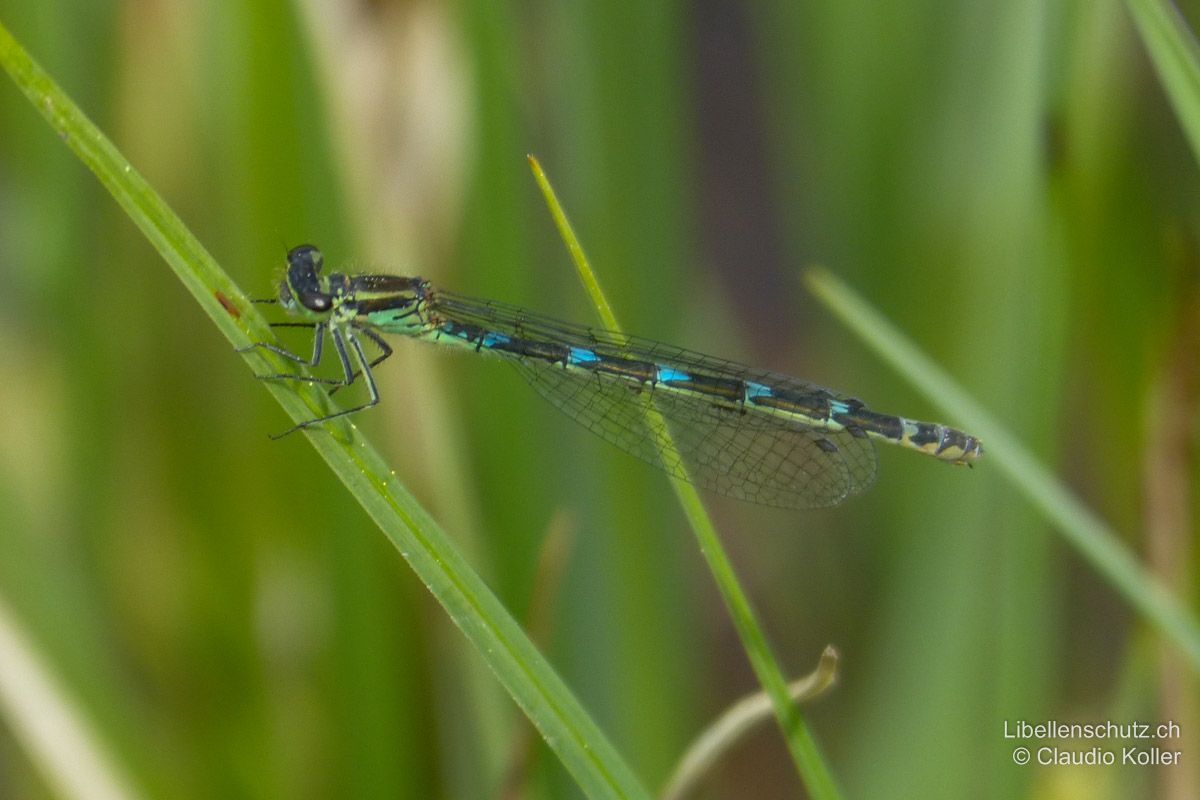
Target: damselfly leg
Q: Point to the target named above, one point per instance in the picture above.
(339, 344)
(349, 373)
(385, 351)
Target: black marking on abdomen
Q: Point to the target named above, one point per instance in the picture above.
(958, 440)
(807, 404)
(928, 433)
(725, 388)
(858, 421)
(531, 348)
(503, 344)
(468, 333)
(641, 371)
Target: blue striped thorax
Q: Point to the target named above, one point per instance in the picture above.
(390, 303)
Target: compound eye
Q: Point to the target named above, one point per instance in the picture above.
(305, 258)
(316, 301)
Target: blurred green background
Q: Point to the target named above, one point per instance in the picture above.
(1005, 181)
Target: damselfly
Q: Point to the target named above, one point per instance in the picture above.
(750, 434)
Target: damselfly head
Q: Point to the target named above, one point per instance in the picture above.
(302, 285)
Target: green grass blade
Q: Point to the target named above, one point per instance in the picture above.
(523, 671)
(803, 747)
(1176, 56)
(1082, 529)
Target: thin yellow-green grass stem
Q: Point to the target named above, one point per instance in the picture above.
(583, 268)
(802, 745)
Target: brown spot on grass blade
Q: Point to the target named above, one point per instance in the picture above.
(229, 305)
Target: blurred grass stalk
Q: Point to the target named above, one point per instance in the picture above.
(44, 717)
(1081, 528)
(1176, 57)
